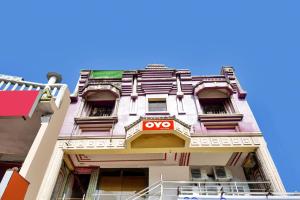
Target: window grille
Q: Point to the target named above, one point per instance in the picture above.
(102, 111)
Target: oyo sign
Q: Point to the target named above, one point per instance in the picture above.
(158, 125)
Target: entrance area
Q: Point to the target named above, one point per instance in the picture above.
(122, 181)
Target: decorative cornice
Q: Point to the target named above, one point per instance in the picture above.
(101, 87)
(197, 144)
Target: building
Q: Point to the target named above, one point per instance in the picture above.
(160, 133)
(31, 115)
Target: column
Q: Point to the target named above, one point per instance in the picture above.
(115, 111)
(51, 174)
(68, 187)
(61, 193)
(269, 168)
(179, 91)
(53, 78)
(92, 184)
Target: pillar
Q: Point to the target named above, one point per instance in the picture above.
(92, 184)
(269, 168)
(51, 174)
(53, 77)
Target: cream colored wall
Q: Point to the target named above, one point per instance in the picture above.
(36, 162)
(268, 166)
(209, 158)
(51, 173)
(237, 173)
(170, 173)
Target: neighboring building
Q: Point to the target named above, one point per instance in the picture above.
(31, 115)
(164, 133)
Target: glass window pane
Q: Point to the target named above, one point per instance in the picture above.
(157, 106)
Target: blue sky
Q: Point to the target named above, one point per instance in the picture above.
(259, 38)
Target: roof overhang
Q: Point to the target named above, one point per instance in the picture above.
(221, 86)
(99, 88)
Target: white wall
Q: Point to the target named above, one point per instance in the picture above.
(209, 158)
(170, 173)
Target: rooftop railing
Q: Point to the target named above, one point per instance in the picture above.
(56, 91)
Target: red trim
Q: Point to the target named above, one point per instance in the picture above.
(188, 159)
(180, 159)
(83, 157)
(233, 159)
(237, 158)
(182, 155)
(89, 160)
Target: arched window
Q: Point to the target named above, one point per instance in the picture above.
(215, 101)
(100, 103)
(99, 112)
(100, 100)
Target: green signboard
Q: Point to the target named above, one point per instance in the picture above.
(106, 74)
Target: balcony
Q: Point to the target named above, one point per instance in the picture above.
(98, 114)
(50, 91)
(19, 128)
(190, 190)
(216, 109)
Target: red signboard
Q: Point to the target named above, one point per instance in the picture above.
(158, 125)
(18, 103)
(13, 186)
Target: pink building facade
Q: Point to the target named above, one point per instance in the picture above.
(163, 132)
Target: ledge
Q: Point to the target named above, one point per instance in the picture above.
(207, 85)
(231, 117)
(158, 113)
(96, 123)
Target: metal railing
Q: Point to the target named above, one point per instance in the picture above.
(218, 190)
(191, 190)
(56, 91)
(69, 198)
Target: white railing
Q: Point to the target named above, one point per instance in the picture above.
(191, 190)
(218, 190)
(67, 198)
(111, 196)
(13, 84)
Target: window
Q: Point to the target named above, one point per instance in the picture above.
(157, 105)
(215, 106)
(220, 172)
(102, 108)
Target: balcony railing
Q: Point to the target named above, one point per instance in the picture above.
(56, 91)
(189, 190)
